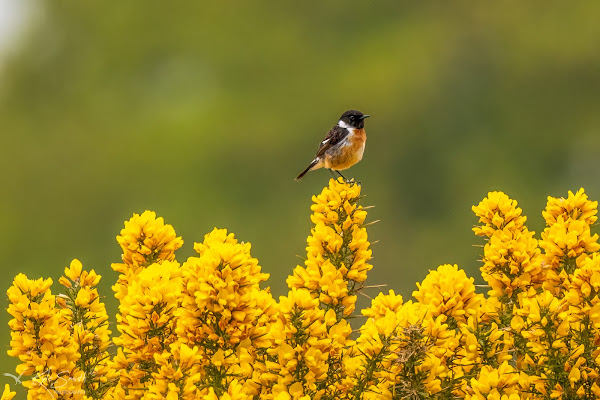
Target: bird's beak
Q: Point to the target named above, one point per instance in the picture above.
(365, 116)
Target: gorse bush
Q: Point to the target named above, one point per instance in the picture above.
(205, 328)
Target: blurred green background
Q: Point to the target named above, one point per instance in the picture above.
(205, 112)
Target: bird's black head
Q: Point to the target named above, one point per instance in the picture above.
(353, 119)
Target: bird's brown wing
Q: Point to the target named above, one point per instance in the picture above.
(334, 136)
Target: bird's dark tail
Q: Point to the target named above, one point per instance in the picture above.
(312, 164)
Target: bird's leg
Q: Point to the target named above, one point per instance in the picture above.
(350, 181)
(343, 177)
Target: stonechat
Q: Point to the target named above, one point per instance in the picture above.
(343, 146)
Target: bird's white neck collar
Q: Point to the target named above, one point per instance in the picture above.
(344, 125)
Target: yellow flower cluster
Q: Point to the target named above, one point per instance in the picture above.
(310, 334)
(300, 346)
(41, 339)
(338, 253)
(199, 329)
(146, 322)
(88, 326)
(206, 329)
(512, 261)
(500, 383)
(221, 293)
(225, 314)
(447, 291)
(144, 240)
(567, 236)
(553, 320)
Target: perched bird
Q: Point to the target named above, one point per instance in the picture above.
(343, 146)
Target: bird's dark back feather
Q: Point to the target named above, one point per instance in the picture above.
(334, 136)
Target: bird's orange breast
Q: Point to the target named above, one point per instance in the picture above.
(349, 153)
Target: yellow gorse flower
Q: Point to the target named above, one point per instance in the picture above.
(224, 313)
(584, 286)
(147, 323)
(41, 339)
(301, 346)
(567, 236)
(338, 250)
(447, 291)
(89, 327)
(144, 240)
(205, 328)
(7, 394)
(512, 260)
(495, 383)
(498, 212)
(576, 207)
